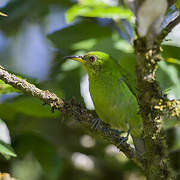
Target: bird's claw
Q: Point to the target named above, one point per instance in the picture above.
(124, 139)
(95, 124)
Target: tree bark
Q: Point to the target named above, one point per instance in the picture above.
(156, 155)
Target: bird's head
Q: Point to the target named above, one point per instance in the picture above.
(93, 61)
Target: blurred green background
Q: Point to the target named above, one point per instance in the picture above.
(33, 40)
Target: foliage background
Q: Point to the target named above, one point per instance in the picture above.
(33, 40)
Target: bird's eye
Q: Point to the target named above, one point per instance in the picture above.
(92, 58)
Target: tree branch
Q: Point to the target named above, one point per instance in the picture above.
(154, 107)
(73, 109)
(149, 95)
(167, 30)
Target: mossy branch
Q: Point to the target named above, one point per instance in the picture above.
(149, 95)
(153, 105)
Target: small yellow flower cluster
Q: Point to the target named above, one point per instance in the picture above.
(160, 105)
(173, 106)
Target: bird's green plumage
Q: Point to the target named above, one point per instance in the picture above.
(114, 102)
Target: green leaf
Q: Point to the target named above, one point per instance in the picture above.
(101, 12)
(6, 150)
(18, 11)
(26, 105)
(170, 51)
(3, 14)
(66, 38)
(168, 73)
(92, 2)
(169, 77)
(5, 88)
(178, 5)
(86, 44)
(170, 122)
(173, 61)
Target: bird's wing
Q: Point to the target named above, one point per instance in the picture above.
(129, 80)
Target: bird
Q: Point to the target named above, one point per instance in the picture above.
(114, 100)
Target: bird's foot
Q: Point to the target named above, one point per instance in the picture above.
(96, 124)
(115, 132)
(124, 139)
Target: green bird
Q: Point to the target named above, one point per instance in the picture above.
(114, 101)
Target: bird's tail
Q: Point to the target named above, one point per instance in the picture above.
(139, 145)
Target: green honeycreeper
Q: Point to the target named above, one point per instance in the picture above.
(114, 101)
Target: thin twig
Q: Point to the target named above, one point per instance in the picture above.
(71, 108)
(167, 30)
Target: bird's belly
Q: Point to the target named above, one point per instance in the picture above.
(113, 115)
(111, 103)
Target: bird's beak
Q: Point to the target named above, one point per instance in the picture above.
(76, 58)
